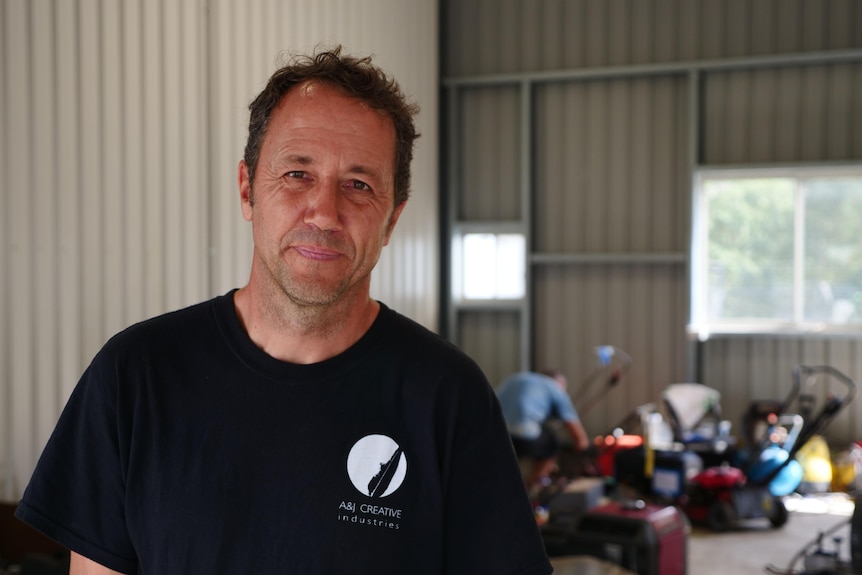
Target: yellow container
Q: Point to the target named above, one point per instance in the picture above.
(816, 461)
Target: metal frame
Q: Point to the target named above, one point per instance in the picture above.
(526, 82)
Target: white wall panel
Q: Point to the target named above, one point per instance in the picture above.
(5, 264)
(17, 228)
(96, 209)
(122, 124)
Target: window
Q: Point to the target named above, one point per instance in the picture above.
(777, 250)
(492, 266)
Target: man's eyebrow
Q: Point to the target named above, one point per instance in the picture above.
(307, 160)
(300, 159)
(360, 169)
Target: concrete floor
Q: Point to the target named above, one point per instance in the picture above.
(755, 546)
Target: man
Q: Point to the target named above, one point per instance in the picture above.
(294, 425)
(530, 401)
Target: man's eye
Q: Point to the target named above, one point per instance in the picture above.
(295, 174)
(359, 185)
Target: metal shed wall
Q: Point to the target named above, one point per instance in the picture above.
(122, 124)
(612, 89)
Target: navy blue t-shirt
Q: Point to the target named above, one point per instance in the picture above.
(186, 449)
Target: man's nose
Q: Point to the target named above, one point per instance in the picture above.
(323, 208)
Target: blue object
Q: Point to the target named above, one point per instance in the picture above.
(785, 481)
(605, 353)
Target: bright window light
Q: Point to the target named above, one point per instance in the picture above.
(493, 266)
(777, 250)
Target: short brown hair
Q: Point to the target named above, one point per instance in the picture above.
(358, 78)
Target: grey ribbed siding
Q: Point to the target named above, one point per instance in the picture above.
(620, 89)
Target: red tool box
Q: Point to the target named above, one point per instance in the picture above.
(644, 538)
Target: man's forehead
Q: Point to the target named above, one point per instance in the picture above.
(312, 89)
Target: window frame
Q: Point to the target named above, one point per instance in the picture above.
(704, 326)
(458, 288)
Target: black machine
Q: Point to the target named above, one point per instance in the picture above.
(818, 559)
(762, 414)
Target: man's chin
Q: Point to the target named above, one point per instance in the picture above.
(312, 296)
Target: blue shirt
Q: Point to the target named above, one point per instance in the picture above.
(528, 399)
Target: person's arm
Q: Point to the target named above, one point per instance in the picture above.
(76, 494)
(579, 434)
(562, 406)
(80, 565)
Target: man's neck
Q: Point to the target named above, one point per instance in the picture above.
(303, 334)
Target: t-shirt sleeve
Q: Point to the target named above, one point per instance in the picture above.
(76, 493)
(490, 527)
(563, 405)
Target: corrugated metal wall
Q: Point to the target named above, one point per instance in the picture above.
(104, 186)
(619, 92)
(122, 124)
(483, 37)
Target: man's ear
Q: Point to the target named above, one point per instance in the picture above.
(245, 193)
(396, 213)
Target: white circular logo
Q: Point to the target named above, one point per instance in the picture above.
(376, 465)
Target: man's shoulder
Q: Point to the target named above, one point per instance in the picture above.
(414, 336)
(184, 324)
(426, 350)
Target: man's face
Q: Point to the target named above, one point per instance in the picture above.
(322, 205)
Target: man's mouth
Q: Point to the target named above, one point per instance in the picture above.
(317, 252)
